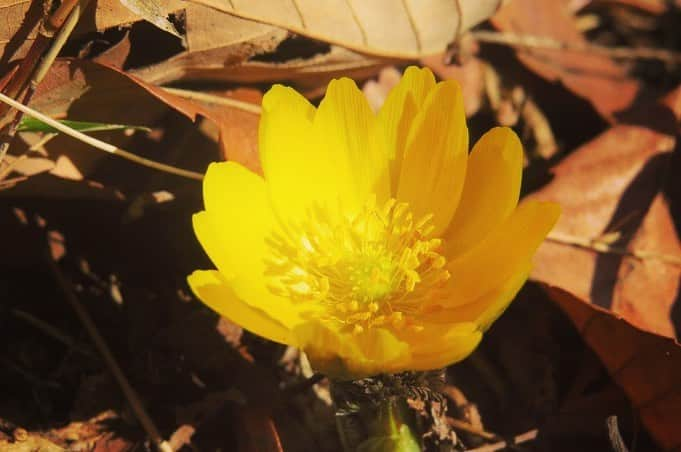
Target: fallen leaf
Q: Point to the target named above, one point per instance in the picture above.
(153, 12)
(20, 19)
(19, 22)
(646, 366)
(302, 73)
(618, 208)
(216, 42)
(596, 78)
(391, 28)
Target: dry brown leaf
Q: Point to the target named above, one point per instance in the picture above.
(303, 73)
(610, 192)
(645, 365)
(104, 14)
(595, 77)
(85, 89)
(389, 28)
(153, 12)
(19, 21)
(210, 29)
(215, 43)
(31, 442)
(116, 55)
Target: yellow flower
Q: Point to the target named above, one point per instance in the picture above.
(374, 242)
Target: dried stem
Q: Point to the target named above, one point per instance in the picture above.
(542, 42)
(467, 427)
(601, 246)
(51, 331)
(519, 439)
(101, 145)
(216, 100)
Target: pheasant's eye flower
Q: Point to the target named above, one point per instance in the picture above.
(374, 242)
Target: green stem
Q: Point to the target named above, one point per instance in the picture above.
(384, 425)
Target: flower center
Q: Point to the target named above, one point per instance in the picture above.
(373, 269)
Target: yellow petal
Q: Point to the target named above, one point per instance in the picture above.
(345, 131)
(398, 112)
(490, 192)
(434, 166)
(506, 250)
(236, 221)
(232, 231)
(486, 309)
(348, 355)
(441, 346)
(323, 157)
(286, 150)
(214, 290)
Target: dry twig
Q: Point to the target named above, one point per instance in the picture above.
(519, 439)
(107, 356)
(602, 246)
(545, 43)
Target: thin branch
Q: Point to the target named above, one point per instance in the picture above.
(614, 435)
(107, 356)
(542, 42)
(467, 427)
(215, 100)
(51, 331)
(601, 246)
(101, 145)
(519, 439)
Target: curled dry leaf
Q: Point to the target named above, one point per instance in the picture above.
(597, 78)
(306, 74)
(215, 43)
(645, 365)
(19, 22)
(615, 245)
(392, 28)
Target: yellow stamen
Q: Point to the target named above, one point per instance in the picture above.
(368, 269)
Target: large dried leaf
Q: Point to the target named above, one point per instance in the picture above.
(597, 78)
(389, 28)
(645, 365)
(610, 190)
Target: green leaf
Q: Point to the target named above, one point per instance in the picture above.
(33, 125)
